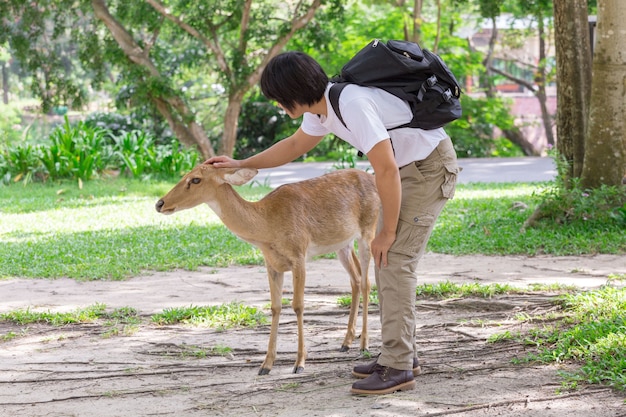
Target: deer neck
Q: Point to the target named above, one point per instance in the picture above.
(240, 216)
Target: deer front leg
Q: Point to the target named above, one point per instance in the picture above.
(276, 289)
(347, 257)
(299, 277)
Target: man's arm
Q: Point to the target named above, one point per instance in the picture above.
(388, 184)
(278, 154)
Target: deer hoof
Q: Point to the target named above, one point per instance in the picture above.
(344, 348)
(264, 371)
(298, 369)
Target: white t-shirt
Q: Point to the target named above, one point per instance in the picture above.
(368, 112)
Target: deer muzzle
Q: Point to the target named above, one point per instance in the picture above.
(159, 205)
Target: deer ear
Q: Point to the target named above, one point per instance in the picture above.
(240, 176)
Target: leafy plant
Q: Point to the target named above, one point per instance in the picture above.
(473, 134)
(620, 214)
(22, 163)
(136, 150)
(114, 123)
(261, 124)
(574, 205)
(74, 151)
(171, 160)
(10, 117)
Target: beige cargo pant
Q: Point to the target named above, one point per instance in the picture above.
(426, 187)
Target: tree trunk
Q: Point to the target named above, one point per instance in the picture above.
(573, 75)
(605, 139)
(513, 134)
(231, 121)
(417, 23)
(435, 47)
(5, 83)
(541, 82)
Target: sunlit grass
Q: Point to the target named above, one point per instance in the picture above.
(448, 289)
(489, 219)
(591, 332)
(28, 316)
(117, 321)
(222, 316)
(110, 230)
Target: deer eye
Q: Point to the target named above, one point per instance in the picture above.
(195, 180)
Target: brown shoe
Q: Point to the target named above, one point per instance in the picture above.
(384, 380)
(363, 371)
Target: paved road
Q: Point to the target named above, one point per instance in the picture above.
(524, 169)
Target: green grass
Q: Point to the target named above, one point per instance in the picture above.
(89, 314)
(591, 332)
(221, 316)
(126, 320)
(110, 230)
(485, 219)
(28, 316)
(448, 289)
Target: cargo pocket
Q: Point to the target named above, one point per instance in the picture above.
(448, 187)
(413, 232)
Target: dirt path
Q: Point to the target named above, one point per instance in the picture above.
(161, 371)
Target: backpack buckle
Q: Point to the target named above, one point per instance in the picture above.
(432, 80)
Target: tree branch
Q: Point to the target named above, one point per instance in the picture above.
(124, 39)
(513, 78)
(298, 22)
(212, 45)
(245, 24)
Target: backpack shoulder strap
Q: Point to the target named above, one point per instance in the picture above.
(333, 94)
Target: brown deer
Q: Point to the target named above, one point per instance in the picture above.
(290, 224)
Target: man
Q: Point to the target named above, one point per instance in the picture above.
(415, 173)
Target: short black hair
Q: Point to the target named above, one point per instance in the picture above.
(294, 78)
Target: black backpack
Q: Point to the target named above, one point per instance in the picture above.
(405, 70)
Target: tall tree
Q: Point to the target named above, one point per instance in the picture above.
(605, 138)
(232, 34)
(39, 37)
(541, 12)
(573, 74)
(159, 49)
(490, 10)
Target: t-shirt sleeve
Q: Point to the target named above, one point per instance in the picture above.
(311, 125)
(364, 120)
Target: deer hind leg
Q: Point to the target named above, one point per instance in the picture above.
(348, 259)
(365, 255)
(299, 278)
(276, 290)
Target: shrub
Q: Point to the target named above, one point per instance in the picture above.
(261, 124)
(473, 134)
(84, 151)
(115, 123)
(135, 150)
(22, 163)
(76, 152)
(9, 118)
(172, 160)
